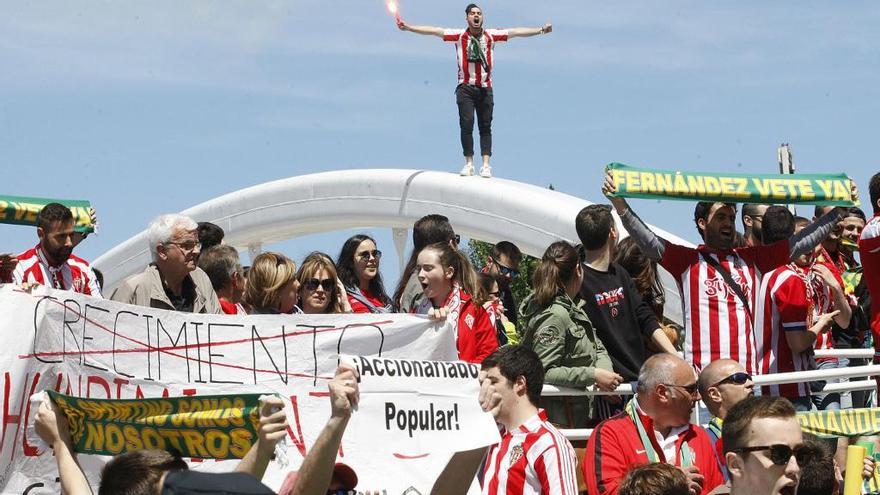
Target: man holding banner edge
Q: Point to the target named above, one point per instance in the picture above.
(719, 283)
(52, 426)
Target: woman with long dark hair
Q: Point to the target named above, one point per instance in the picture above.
(358, 269)
(558, 329)
(644, 274)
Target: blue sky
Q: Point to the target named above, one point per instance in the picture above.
(150, 107)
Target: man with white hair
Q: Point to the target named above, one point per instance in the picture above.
(654, 427)
(172, 281)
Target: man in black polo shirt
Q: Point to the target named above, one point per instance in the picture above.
(622, 319)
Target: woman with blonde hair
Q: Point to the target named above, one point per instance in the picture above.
(558, 329)
(272, 286)
(320, 290)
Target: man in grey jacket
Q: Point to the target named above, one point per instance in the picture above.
(173, 281)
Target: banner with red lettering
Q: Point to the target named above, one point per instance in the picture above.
(95, 348)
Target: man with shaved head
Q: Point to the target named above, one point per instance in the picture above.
(654, 427)
(722, 384)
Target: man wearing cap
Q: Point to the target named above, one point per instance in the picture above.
(475, 50)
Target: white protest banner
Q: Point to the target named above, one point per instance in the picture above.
(89, 347)
(410, 406)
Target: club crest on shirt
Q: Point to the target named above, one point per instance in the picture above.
(516, 454)
(718, 286)
(469, 320)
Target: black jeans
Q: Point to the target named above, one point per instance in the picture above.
(472, 98)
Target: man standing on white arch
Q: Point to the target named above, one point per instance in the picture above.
(474, 48)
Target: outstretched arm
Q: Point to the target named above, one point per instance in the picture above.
(428, 30)
(651, 245)
(526, 32)
(814, 233)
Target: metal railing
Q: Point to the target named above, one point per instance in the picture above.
(760, 380)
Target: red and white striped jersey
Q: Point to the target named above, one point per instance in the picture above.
(716, 322)
(823, 302)
(470, 68)
(533, 459)
(869, 254)
(782, 307)
(75, 274)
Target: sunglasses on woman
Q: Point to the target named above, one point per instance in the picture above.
(739, 378)
(366, 255)
(779, 454)
(327, 284)
(507, 271)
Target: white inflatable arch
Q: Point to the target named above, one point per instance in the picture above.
(490, 210)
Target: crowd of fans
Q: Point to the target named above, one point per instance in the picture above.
(753, 303)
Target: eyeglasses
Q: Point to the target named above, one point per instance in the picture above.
(690, 389)
(739, 378)
(495, 294)
(507, 271)
(365, 255)
(327, 284)
(780, 454)
(187, 247)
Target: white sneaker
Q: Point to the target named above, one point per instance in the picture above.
(486, 172)
(467, 170)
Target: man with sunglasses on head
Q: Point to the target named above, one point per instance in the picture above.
(722, 385)
(173, 281)
(654, 427)
(762, 443)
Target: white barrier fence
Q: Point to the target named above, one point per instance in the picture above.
(774, 379)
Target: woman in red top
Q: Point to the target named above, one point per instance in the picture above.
(448, 282)
(358, 269)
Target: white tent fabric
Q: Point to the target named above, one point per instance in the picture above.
(490, 210)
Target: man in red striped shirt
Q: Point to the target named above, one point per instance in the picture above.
(533, 457)
(869, 252)
(474, 48)
(51, 262)
(718, 282)
(788, 319)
